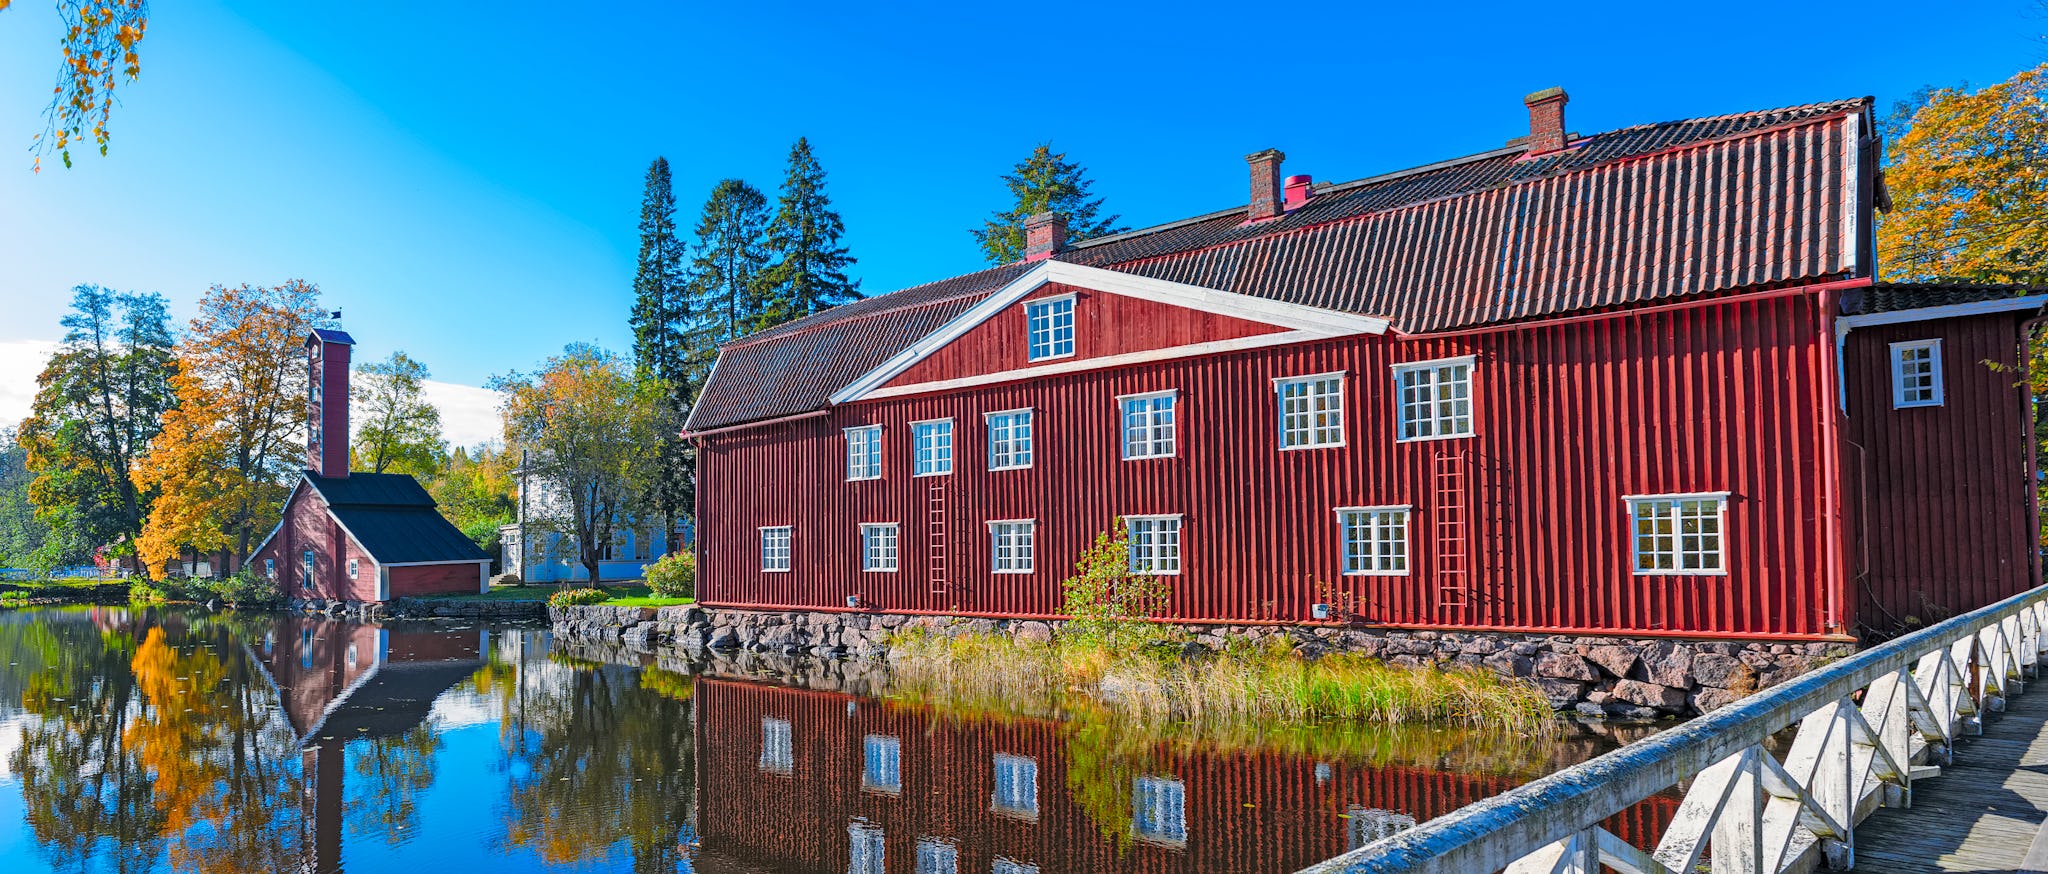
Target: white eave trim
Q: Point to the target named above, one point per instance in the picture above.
(1305, 322)
(450, 561)
(283, 517)
(1845, 324)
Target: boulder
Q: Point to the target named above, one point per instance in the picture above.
(1710, 699)
(1032, 632)
(1649, 694)
(1481, 645)
(1667, 663)
(1724, 672)
(1565, 667)
(724, 638)
(1617, 661)
(1590, 709)
(1510, 664)
(1562, 693)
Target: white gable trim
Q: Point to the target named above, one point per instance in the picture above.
(1074, 365)
(1950, 311)
(1308, 322)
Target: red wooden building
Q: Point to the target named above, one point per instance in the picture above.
(1640, 381)
(361, 537)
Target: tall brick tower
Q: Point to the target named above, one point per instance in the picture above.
(327, 355)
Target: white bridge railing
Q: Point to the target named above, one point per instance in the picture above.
(1869, 725)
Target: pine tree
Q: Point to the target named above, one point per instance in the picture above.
(731, 252)
(1044, 182)
(809, 274)
(660, 298)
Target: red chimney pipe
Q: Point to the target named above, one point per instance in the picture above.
(1298, 191)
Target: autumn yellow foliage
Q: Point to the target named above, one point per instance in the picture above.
(1968, 178)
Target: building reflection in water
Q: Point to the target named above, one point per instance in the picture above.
(338, 682)
(795, 780)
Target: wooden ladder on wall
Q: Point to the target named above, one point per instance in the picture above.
(1451, 525)
(937, 535)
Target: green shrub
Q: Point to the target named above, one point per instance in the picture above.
(674, 576)
(246, 587)
(1109, 605)
(577, 597)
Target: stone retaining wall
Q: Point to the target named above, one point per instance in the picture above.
(1593, 676)
(427, 608)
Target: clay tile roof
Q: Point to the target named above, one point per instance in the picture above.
(1649, 212)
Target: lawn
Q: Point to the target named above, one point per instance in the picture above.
(630, 594)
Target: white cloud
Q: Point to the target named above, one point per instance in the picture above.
(20, 361)
(469, 415)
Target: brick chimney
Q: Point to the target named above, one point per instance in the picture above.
(1266, 193)
(1045, 234)
(1546, 120)
(327, 354)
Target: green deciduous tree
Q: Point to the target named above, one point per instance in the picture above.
(22, 535)
(1044, 182)
(97, 409)
(730, 254)
(808, 275)
(399, 431)
(587, 424)
(475, 492)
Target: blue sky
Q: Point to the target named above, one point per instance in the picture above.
(464, 182)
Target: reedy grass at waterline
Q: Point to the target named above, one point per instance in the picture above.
(1147, 683)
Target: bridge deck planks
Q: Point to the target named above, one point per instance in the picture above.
(1982, 813)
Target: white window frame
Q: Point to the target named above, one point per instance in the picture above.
(1313, 434)
(1024, 543)
(1150, 567)
(778, 746)
(1022, 800)
(1401, 420)
(1152, 424)
(311, 565)
(881, 757)
(1374, 563)
(870, 444)
(868, 847)
(1007, 865)
(1052, 328)
(354, 568)
(1933, 347)
(918, 430)
(1021, 441)
(937, 856)
(787, 548)
(1678, 552)
(270, 568)
(870, 562)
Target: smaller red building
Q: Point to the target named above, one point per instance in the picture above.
(363, 537)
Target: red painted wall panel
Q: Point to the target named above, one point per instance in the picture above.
(1569, 418)
(331, 412)
(1943, 510)
(307, 526)
(435, 579)
(1104, 324)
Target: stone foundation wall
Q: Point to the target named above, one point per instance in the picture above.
(1592, 676)
(426, 608)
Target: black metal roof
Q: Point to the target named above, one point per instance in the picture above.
(1885, 297)
(332, 336)
(394, 518)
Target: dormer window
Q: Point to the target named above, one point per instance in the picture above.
(1051, 326)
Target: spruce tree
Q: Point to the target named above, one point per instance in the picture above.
(661, 355)
(1044, 182)
(809, 273)
(730, 255)
(660, 299)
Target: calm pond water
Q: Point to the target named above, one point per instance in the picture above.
(152, 740)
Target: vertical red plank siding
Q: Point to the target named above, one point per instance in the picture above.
(1943, 503)
(432, 579)
(1569, 418)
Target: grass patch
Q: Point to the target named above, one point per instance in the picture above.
(1153, 684)
(634, 594)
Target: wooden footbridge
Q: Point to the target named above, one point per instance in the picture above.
(1917, 755)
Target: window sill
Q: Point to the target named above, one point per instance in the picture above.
(1010, 467)
(1644, 573)
(1923, 404)
(1435, 438)
(1375, 573)
(863, 479)
(936, 473)
(877, 570)
(1151, 457)
(1306, 446)
(775, 570)
(1024, 573)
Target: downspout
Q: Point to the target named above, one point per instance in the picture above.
(1828, 349)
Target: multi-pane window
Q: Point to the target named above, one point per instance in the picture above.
(1679, 534)
(1051, 327)
(935, 856)
(354, 567)
(1367, 824)
(1010, 542)
(883, 771)
(1159, 810)
(1016, 791)
(932, 447)
(1007, 865)
(775, 547)
(1148, 424)
(311, 565)
(1375, 539)
(777, 753)
(868, 843)
(1435, 398)
(878, 547)
(1009, 439)
(864, 452)
(1155, 544)
(1916, 373)
(1311, 410)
